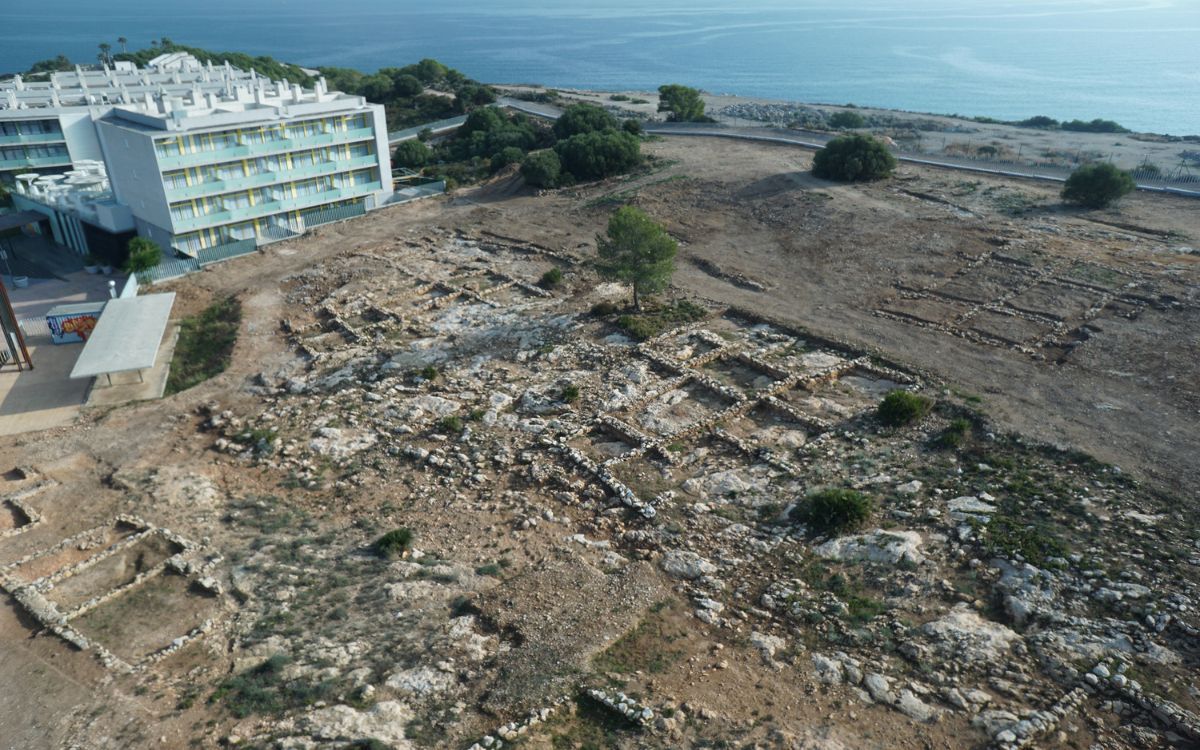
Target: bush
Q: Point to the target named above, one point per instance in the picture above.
(650, 323)
(428, 372)
(506, 156)
(683, 103)
(1095, 126)
(551, 279)
(596, 155)
(853, 158)
(901, 408)
(847, 120)
(1097, 185)
(542, 169)
(605, 308)
(394, 543)
(411, 154)
(833, 511)
(1039, 121)
(451, 423)
(633, 127)
(583, 118)
(570, 393)
(954, 435)
(143, 254)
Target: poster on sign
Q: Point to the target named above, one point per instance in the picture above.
(73, 323)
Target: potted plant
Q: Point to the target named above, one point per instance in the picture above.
(107, 269)
(91, 264)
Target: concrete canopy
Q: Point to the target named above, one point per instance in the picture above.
(126, 337)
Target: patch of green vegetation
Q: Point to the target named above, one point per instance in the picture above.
(394, 543)
(205, 345)
(955, 433)
(551, 279)
(1034, 542)
(646, 647)
(429, 372)
(900, 408)
(653, 321)
(264, 690)
(570, 393)
(451, 423)
(833, 511)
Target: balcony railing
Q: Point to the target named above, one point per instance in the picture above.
(248, 150)
(229, 185)
(36, 161)
(7, 140)
(259, 210)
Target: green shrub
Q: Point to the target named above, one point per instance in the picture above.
(605, 308)
(144, 254)
(411, 154)
(1039, 121)
(428, 372)
(507, 155)
(653, 321)
(264, 690)
(682, 103)
(596, 155)
(847, 120)
(1095, 126)
(583, 118)
(853, 158)
(833, 511)
(901, 407)
(551, 279)
(570, 393)
(1097, 185)
(451, 423)
(954, 435)
(394, 543)
(633, 127)
(542, 169)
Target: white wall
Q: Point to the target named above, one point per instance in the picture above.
(80, 133)
(134, 173)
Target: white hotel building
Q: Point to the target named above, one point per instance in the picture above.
(194, 156)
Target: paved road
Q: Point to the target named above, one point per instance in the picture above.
(815, 141)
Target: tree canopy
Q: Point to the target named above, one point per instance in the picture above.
(595, 155)
(1097, 185)
(846, 120)
(853, 158)
(683, 103)
(637, 251)
(411, 154)
(541, 168)
(583, 118)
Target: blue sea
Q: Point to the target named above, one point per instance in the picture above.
(1134, 61)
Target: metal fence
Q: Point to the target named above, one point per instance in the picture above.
(416, 192)
(31, 327)
(318, 216)
(210, 255)
(173, 269)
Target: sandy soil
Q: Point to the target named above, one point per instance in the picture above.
(1076, 328)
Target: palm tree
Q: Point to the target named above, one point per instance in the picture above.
(105, 52)
(122, 41)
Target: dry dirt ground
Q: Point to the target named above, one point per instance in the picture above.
(1033, 584)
